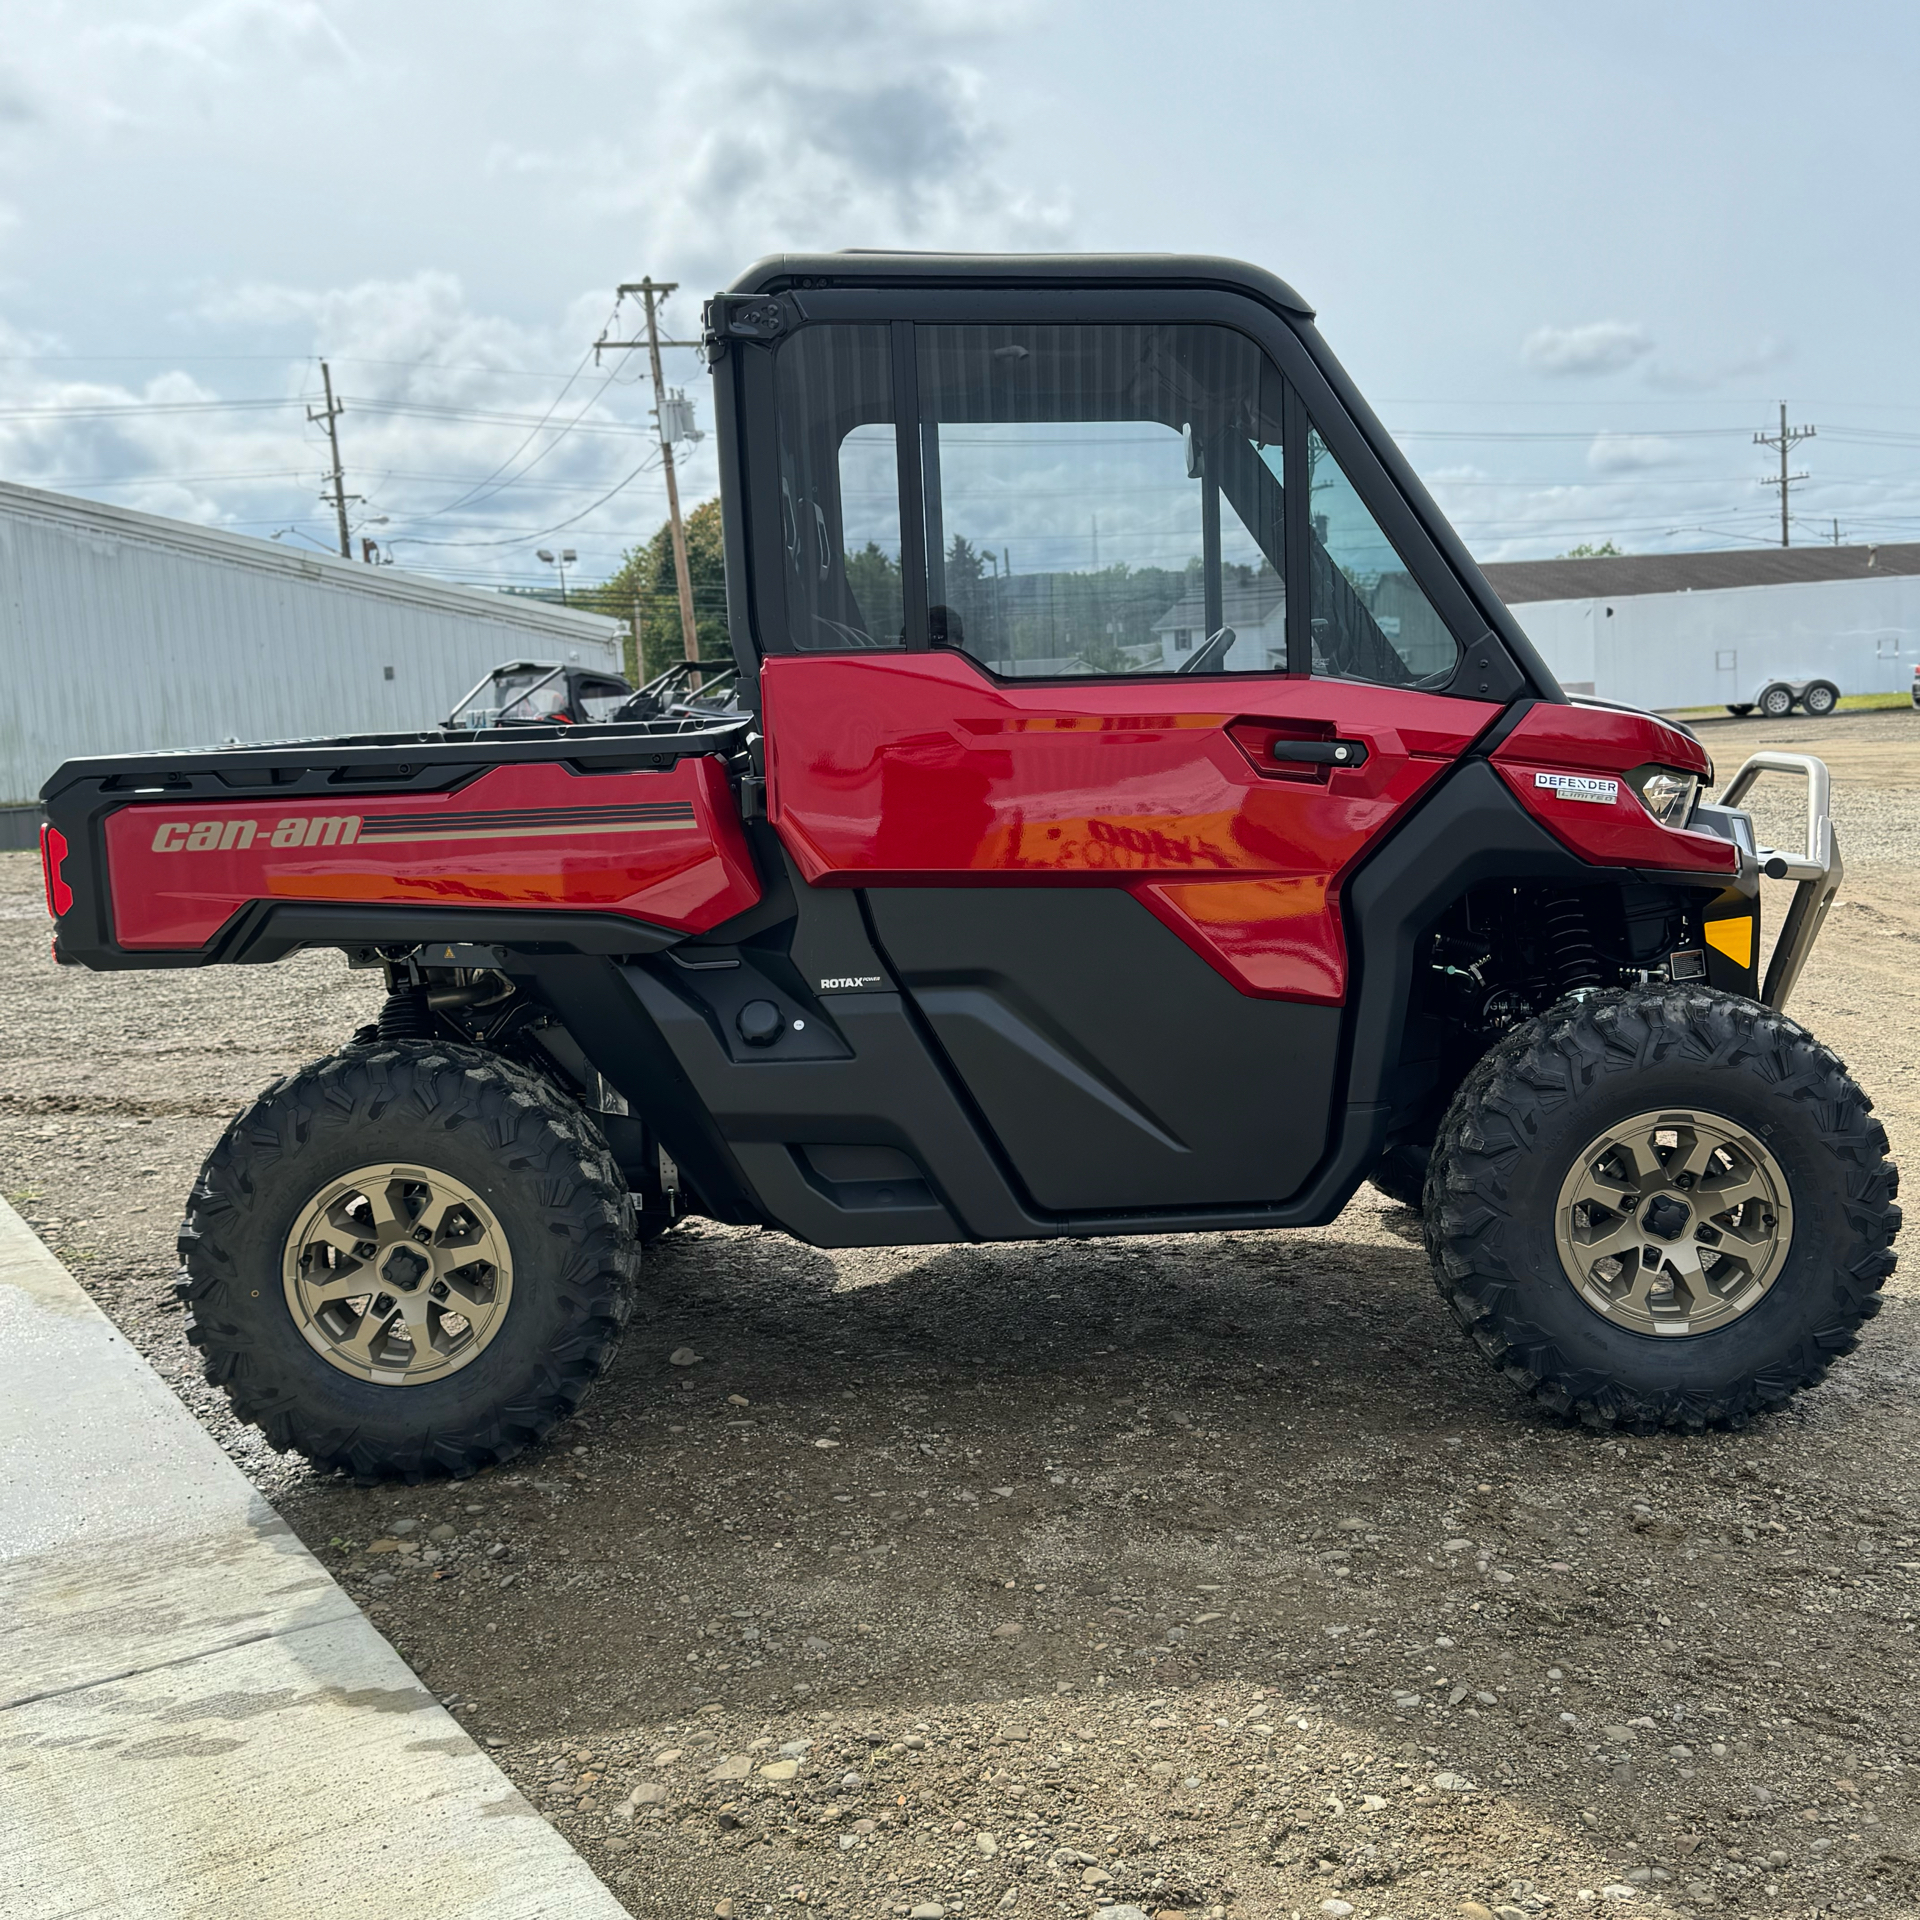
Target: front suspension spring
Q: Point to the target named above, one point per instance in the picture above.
(1570, 945)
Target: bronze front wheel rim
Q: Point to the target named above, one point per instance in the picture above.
(397, 1274)
(1674, 1223)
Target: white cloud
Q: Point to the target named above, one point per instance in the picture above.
(1629, 452)
(685, 145)
(1765, 355)
(229, 39)
(18, 105)
(204, 183)
(1601, 346)
(811, 126)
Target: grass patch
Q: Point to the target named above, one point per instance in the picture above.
(1849, 703)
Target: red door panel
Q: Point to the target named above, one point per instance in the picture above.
(917, 769)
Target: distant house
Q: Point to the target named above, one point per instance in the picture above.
(1257, 614)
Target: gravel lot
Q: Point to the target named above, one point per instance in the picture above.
(1208, 1574)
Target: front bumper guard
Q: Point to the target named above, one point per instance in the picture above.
(1818, 871)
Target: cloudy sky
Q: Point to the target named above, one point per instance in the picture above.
(1576, 256)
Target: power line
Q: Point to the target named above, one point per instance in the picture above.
(97, 410)
(479, 486)
(537, 533)
(1786, 440)
(417, 409)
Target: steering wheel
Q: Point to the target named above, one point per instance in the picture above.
(1210, 652)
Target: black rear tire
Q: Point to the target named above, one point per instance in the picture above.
(1739, 708)
(1402, 1175)
(1520, 1123)
(1776, 703)
(1821, 698)
(507, 1135)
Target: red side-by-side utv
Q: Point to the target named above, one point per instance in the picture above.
(1136, 815)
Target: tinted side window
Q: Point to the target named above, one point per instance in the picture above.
(1369, 619)
(1103, 499)
(839, 489)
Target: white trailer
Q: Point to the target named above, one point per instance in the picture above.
(123, 631)
(1770, 628)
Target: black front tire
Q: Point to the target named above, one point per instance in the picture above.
(1776, 703)
(506, 1134)
(1519, 1124)
(1821, 698)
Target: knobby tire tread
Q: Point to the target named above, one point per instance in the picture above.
(532, 1127)
(1575, 1048)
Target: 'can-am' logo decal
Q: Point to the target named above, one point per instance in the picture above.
(219, 836)
(349, 829)
(1580, 786)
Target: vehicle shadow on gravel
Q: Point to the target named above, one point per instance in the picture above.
(1053, 1315)
(877, 1453)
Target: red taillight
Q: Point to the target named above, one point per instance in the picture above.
(53, 856)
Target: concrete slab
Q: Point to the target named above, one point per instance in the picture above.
(196, 1722)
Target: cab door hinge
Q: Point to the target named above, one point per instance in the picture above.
(1487, 672)
(758, 317)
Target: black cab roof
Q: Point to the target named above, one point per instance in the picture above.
(860, 267)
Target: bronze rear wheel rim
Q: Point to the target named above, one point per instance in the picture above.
(1674, 1222)
(397, 1274)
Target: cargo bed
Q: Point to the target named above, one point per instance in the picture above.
(614, 838)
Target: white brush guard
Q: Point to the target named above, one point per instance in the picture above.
(1818, 870)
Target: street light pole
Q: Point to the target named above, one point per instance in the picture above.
(566, 558)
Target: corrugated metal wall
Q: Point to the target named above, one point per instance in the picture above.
(122, 631)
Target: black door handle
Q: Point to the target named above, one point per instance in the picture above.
(1321, 753)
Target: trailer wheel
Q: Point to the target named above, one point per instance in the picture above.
(1661, 1207)
(407, 1260)
(1739, 708)
(1821, 698)
(1776, 702)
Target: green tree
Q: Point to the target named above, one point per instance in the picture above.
(646, 589)
(1586, 550)
(873, 577)
(964, 565)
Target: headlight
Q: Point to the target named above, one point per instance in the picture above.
(1667, 793)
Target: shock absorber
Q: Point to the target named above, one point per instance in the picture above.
(1570, 948)
(405, 1015)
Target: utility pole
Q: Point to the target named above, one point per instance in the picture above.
(653, 292)
(338, 494)
(1786, 440)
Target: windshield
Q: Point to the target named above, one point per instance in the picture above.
(516, 693)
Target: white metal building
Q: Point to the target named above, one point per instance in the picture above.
(1676, 630)
(121, 631)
